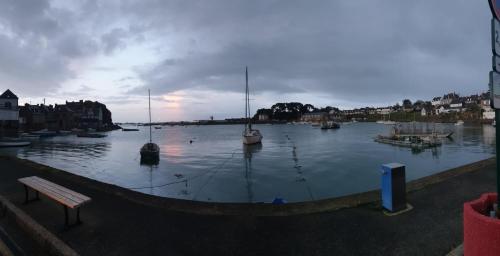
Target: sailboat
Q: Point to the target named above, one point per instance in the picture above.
(150, 152)
(250, 136)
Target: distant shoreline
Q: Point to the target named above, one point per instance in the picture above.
(222, 122)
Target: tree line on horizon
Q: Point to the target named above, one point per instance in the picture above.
(291, 110)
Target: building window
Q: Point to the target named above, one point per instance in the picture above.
(8, 105)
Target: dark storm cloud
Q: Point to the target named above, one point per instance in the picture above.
(114, 39)
(365, 49)
(38, 43)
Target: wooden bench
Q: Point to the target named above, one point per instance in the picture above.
(62, 195)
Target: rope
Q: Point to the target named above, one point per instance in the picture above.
(211, 176)
(213, 169)
(298, 167)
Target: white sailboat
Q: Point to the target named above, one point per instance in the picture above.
(250, 136)
(150, 152)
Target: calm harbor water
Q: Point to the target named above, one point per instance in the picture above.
(295, 162)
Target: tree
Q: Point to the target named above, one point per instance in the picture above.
(407, 103)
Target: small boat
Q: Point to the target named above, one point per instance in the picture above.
(386, 122)
(329, 125)
(130, 129)
(150, 152)
(28, 136)
(90, 135)
(44, 133)
(14, 143)
(316, 125)
(158, 127)
(459, 122)
(250, 136)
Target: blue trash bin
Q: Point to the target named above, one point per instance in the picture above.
(393, 187)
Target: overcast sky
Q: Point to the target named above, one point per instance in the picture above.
(192, 54)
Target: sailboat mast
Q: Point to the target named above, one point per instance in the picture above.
(246, 92)
(149, 100)
(247, 107)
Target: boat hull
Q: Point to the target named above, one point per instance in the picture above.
(421, 144)
(6, 144)
(254, 139)
(91, 135)
(436, 135)
(150, 153)
(129, 130)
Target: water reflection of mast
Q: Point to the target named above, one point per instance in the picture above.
(248, 167)
(151, 179)
(248, 151)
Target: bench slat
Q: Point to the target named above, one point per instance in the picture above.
(61, 194)
(49, 193)
(72, 193)
(47, 187)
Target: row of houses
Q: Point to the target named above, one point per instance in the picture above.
(79, 114)
(449, 103)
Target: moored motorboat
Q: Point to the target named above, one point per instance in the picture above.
(90, 135)
(130, 129)
(28, 136)
(329, 125)
(63, 132)
(44, 133)
(459, 122)
(14, 143)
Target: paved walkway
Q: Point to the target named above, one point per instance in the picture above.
(117, 226)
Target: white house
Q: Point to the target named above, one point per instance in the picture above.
(456, 106)
(9, 109)
(383, 111)
(442, 110)
(489, 114)
(436, 101)
(263, 117)
(314, 117)
(426, 111)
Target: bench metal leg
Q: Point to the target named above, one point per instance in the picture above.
(4, 210)
(66, 222)
(78, 221)
(66, 218)
(26, 195)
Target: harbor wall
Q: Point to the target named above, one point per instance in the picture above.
(252, 209)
